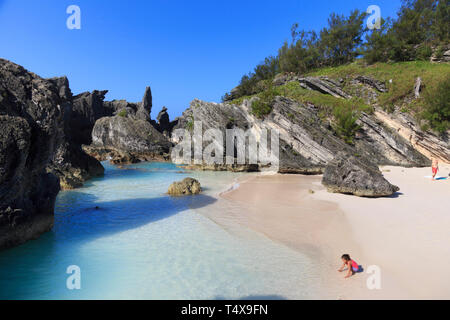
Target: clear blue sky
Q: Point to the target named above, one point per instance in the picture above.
(182, 49)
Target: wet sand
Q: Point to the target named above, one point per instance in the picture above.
(406, 236)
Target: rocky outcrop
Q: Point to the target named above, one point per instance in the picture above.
(163, 124)
(385, 146)
(427, 143)
(188, 186)
(356, 176)
(375, 84)
(324, 85)
(145, 107)
(441, 54)
(88, 107)
(138, 140)
(307, 142)
(163, 119)
(39, 152)
(31, 122)
(417, 87)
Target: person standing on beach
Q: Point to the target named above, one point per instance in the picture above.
(434, 167)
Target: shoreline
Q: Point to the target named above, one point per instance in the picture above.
(298, 212)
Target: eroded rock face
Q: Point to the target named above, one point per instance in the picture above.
(324, 85)
(163, 120)
(444, 56)
(31, 122)
(145, 107)
(37, 153)
(357, 176)
(188, 186)
(135, 139)
(377, 85)
(429, 144)
(88, 107)
(307, 142)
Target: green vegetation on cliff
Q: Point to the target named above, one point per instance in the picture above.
(421, 25)
(437, 105)
(400, 77)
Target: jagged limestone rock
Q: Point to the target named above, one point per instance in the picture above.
(357, 176)
(135, 139)
(188, 186)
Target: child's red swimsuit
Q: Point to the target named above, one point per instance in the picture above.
(435, 170)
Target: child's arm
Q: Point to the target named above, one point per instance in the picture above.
(342, 268)
(350, 271)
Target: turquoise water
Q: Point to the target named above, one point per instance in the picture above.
(131, 241)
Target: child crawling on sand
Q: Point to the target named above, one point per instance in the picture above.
(351, 265)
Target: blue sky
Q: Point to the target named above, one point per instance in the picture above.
(182, 49)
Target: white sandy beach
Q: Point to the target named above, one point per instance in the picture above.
(407, 236)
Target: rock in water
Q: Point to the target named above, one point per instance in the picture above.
(30, 125)
(350, 175)
(188, 186)
(36, 148)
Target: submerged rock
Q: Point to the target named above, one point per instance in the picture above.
(188, 186)
(351, 175)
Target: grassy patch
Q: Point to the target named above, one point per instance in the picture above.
(263, 106)
(402, 74)
(123, 113)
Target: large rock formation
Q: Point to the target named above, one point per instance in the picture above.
(88, 107)
(124, 139)
(34, 151)
(307, 142)
(145, 107)
(188, 186)
(70, 163)
(121, 131)
(427, 143)
(163, 121)
(351, 175)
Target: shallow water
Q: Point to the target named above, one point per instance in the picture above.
(142, 244)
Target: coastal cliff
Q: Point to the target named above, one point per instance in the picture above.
(52, 140)
(37, 157)
(307, 141)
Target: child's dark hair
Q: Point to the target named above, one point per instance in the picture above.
(346, 257)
